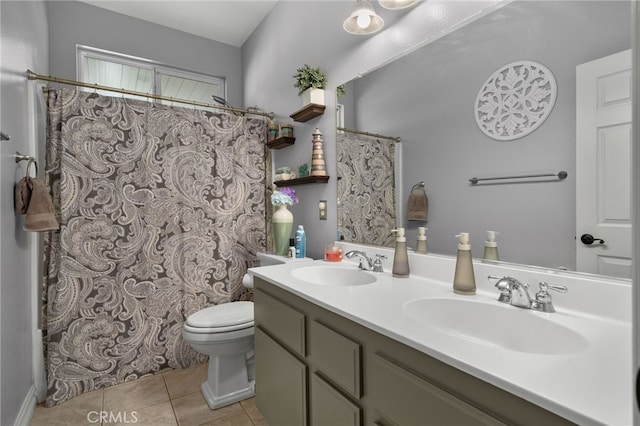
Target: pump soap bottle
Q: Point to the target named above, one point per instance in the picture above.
(464, 281)
(491, 246)
(421, 246)
(400, 256)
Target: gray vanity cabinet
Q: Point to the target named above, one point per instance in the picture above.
(317, 368)
(281, 373)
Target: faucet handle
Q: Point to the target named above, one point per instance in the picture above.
(543, 298)
(559, 288)
(504, 285)
(377, 263)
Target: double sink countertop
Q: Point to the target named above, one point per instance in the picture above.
(575, 362)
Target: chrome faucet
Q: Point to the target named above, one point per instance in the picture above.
(516, 293)
(366, 263)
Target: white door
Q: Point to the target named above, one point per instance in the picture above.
(603, 165)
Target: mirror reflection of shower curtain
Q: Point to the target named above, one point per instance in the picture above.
(366, 189)
(161, 208)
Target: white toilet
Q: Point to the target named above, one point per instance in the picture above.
(225, 333)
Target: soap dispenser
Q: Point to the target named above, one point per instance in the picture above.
(491, 246)
(400, 256)
(421, 246)
(464, 281)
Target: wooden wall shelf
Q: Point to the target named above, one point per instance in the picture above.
(308, 112)
(281, 142)
(302, 181)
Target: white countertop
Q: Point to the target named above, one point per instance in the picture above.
(593, 386)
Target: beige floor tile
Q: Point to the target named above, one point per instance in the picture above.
(154, 415)
(136, 395)
(81, 410)
(240, 419)
(185, 381)
(252, 411)
(193, 410)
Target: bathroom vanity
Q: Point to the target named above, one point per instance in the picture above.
(339, 346)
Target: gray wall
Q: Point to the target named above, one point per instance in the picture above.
(74, 23)
(24, 44)
(283, 42)
(427, 98)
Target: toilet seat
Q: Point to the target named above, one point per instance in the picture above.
(221, 318)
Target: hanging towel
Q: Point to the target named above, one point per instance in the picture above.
(33, 199)
(418, 204)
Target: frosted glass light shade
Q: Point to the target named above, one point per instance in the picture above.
(397, 4)
(363, 19)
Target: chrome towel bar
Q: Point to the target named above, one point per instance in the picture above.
(560, 175)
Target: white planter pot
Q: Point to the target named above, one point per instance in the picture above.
(313, 96)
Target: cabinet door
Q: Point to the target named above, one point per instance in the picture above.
(329, 407)
(281, 383)
(281, 321)
(402, 398)
(337, 357)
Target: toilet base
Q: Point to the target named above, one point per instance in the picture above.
(230, 378)
(214, 401)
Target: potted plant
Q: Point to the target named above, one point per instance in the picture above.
(310, 83)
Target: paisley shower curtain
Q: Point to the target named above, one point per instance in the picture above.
(161, 210)
(366, 189)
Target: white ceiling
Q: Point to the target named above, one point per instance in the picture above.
(227, 21)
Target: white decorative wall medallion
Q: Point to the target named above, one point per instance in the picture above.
(515, 100)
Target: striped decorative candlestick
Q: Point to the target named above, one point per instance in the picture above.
(317, 156)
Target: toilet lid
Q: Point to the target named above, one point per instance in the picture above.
(223, 315)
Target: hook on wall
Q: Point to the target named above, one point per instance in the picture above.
(30, 160)
(4, 136)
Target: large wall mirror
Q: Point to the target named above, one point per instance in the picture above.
(427, 99)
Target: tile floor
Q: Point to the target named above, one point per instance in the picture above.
(168, 399)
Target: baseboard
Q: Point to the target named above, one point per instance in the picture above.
(27, 409)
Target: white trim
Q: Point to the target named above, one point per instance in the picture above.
(635, 203)
(34, 94)
(27, 408)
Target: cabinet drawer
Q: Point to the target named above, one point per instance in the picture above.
(337, 357)
(281, 383)
(281, 321)
(329, 407)
(402, 398)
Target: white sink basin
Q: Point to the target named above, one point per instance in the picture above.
(496, 324)
(333, 276)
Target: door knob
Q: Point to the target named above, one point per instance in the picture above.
(589, 239)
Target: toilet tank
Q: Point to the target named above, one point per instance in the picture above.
(268, 259)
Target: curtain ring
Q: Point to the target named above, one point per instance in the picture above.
(35, 163)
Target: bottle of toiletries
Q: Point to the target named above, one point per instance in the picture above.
(464, 280)
(301, 242)
(400, 256)
(292, 247)
(421, 245)
(491, 246)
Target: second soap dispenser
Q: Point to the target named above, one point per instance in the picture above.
(491, 246)
(400, 256)
(464, 280)
(421, 244)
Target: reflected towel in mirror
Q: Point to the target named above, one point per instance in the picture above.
(418, 206)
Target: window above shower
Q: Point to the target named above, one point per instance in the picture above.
(121, 71)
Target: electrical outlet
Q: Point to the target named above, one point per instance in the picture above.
(322, 208)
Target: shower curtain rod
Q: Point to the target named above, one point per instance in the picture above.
(34, 76)
(375, 135)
